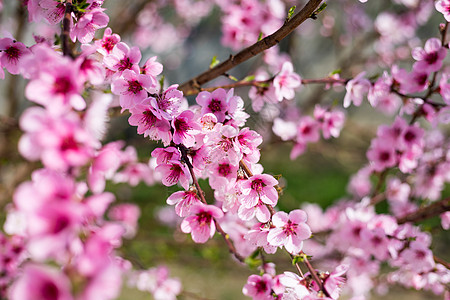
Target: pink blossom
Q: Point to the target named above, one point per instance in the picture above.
(107, 43)
(335, 281)
(201, 223)
(158, 282)
(259, 188)
(286, 81)
(59, 142)
(85, 27)
(380, 95)
(132, 88)
(39, 282)
(356, 89)
(257, 235)
(307, 130)
(222, 173)
(381, 155)
(286, 130)
(173, 172)
(12, 53)
(123, 58)
(152, 67)
(143, 115)
(295, 284)
(258, 287)
(445, 220)
(183, 201)
(443, 6)
(223, 144)
(444, 87)
(167, 104)
(431, 57)
(52, 10)
(375, 242)
(57, 88)
(415, 81)
(163, 155)
(185, 128)
(331, 121)
(215, 103)
(290, 230)
(260, 95)
(105, 164)
(127, 214)
(260, 211)
(90, 69)
(418, 256)
(360, 184)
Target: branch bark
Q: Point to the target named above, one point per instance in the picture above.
(194, 84)
(426, 212)
(66, 30)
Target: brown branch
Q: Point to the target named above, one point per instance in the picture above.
(264, 44)
(263, 83)
(441, 261)
(66, 30)
(426, 212)
(313, 273)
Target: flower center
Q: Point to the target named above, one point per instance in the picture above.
(431, 58)
(134, 86)
(108, 44)
(224, 169)
(61, 85)
(215, 105)
(203, 218)
(125, 64)
(257, 185)
(13, 54)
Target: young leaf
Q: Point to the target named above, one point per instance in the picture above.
(214, 62)
(161, 82)
(291, 12)
(233, 78)
(249, 78)
(260, 36)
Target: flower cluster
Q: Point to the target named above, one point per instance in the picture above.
(63, 227)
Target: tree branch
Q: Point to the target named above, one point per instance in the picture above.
(263, 83)
(426, 212)
(66, 30)
(194, 84)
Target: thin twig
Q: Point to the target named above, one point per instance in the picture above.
(313, 273)
(426, 212)
(264, 44)
(441, 261)
(263, 83)
(66, 30)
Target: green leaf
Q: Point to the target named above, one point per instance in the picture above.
(337, 71)
(260, 36)
(297, 259)
(291, 12)
(233, 78)
(253, 262)
(214, 62)
(249, 78)
(161, 82)
(318, 11)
